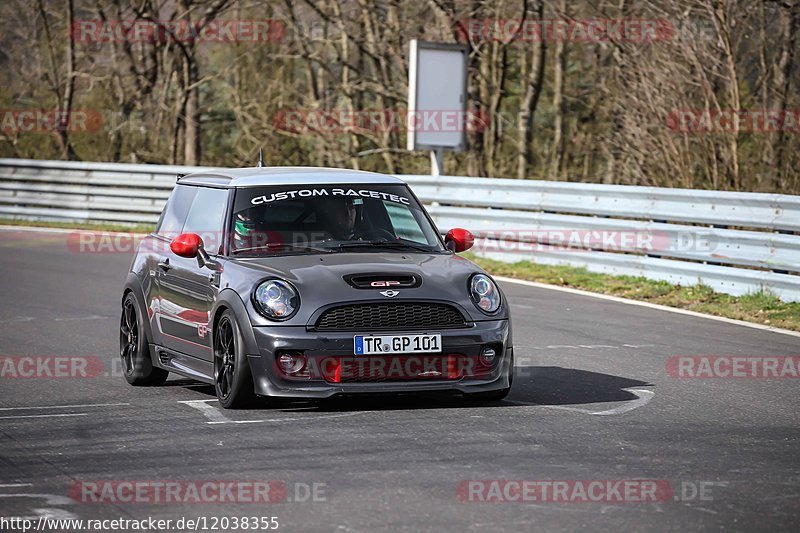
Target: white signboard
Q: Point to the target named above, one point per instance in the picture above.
(437, 96)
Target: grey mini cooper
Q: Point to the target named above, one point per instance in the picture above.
(310, 283)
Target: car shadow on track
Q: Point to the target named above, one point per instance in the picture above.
(555, 385)
(533, 385)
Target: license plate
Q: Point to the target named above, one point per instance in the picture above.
(389, 344)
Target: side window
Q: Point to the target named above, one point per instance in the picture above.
(174, 215)
(404, 224)
(206, 217)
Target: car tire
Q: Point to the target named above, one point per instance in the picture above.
(233, 380)
(134, 348)
(495, 395)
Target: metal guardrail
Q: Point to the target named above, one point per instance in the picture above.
(66, 190)
(734, 242)
(777, 212)
(757, 249)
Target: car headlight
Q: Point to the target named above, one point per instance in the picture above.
(484, 293)
(276, 299)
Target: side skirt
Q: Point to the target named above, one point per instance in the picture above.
(180, 363)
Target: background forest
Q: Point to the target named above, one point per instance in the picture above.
(592, 110)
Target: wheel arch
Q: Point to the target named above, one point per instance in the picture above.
(230, 299)
(134, 286)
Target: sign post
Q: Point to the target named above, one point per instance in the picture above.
(437, 99)
(437, 161)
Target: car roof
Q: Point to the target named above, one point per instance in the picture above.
(261, 176)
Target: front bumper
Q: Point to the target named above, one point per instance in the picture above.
(319, 347)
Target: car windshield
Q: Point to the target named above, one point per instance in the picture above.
(326, 219)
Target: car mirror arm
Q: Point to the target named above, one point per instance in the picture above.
(204, 260)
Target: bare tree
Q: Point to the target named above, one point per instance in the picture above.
(610, 110)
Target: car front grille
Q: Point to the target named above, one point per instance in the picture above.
(395, 316)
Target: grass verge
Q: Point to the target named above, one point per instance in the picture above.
(761, 308)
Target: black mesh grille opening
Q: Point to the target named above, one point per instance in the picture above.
(393, 316)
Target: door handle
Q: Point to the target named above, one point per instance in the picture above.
(164, 264)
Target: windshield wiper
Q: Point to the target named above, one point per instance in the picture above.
(383, 244)
(282, 246)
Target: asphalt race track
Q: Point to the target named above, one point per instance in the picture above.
(592, 401)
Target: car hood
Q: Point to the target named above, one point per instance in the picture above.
(320, 279)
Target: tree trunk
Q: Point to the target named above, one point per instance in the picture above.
(530, 101)
(191, 140)
(559, 66)
(790, 25)
(66, 147)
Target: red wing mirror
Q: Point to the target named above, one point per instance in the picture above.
(186, 245)
(459, 240)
